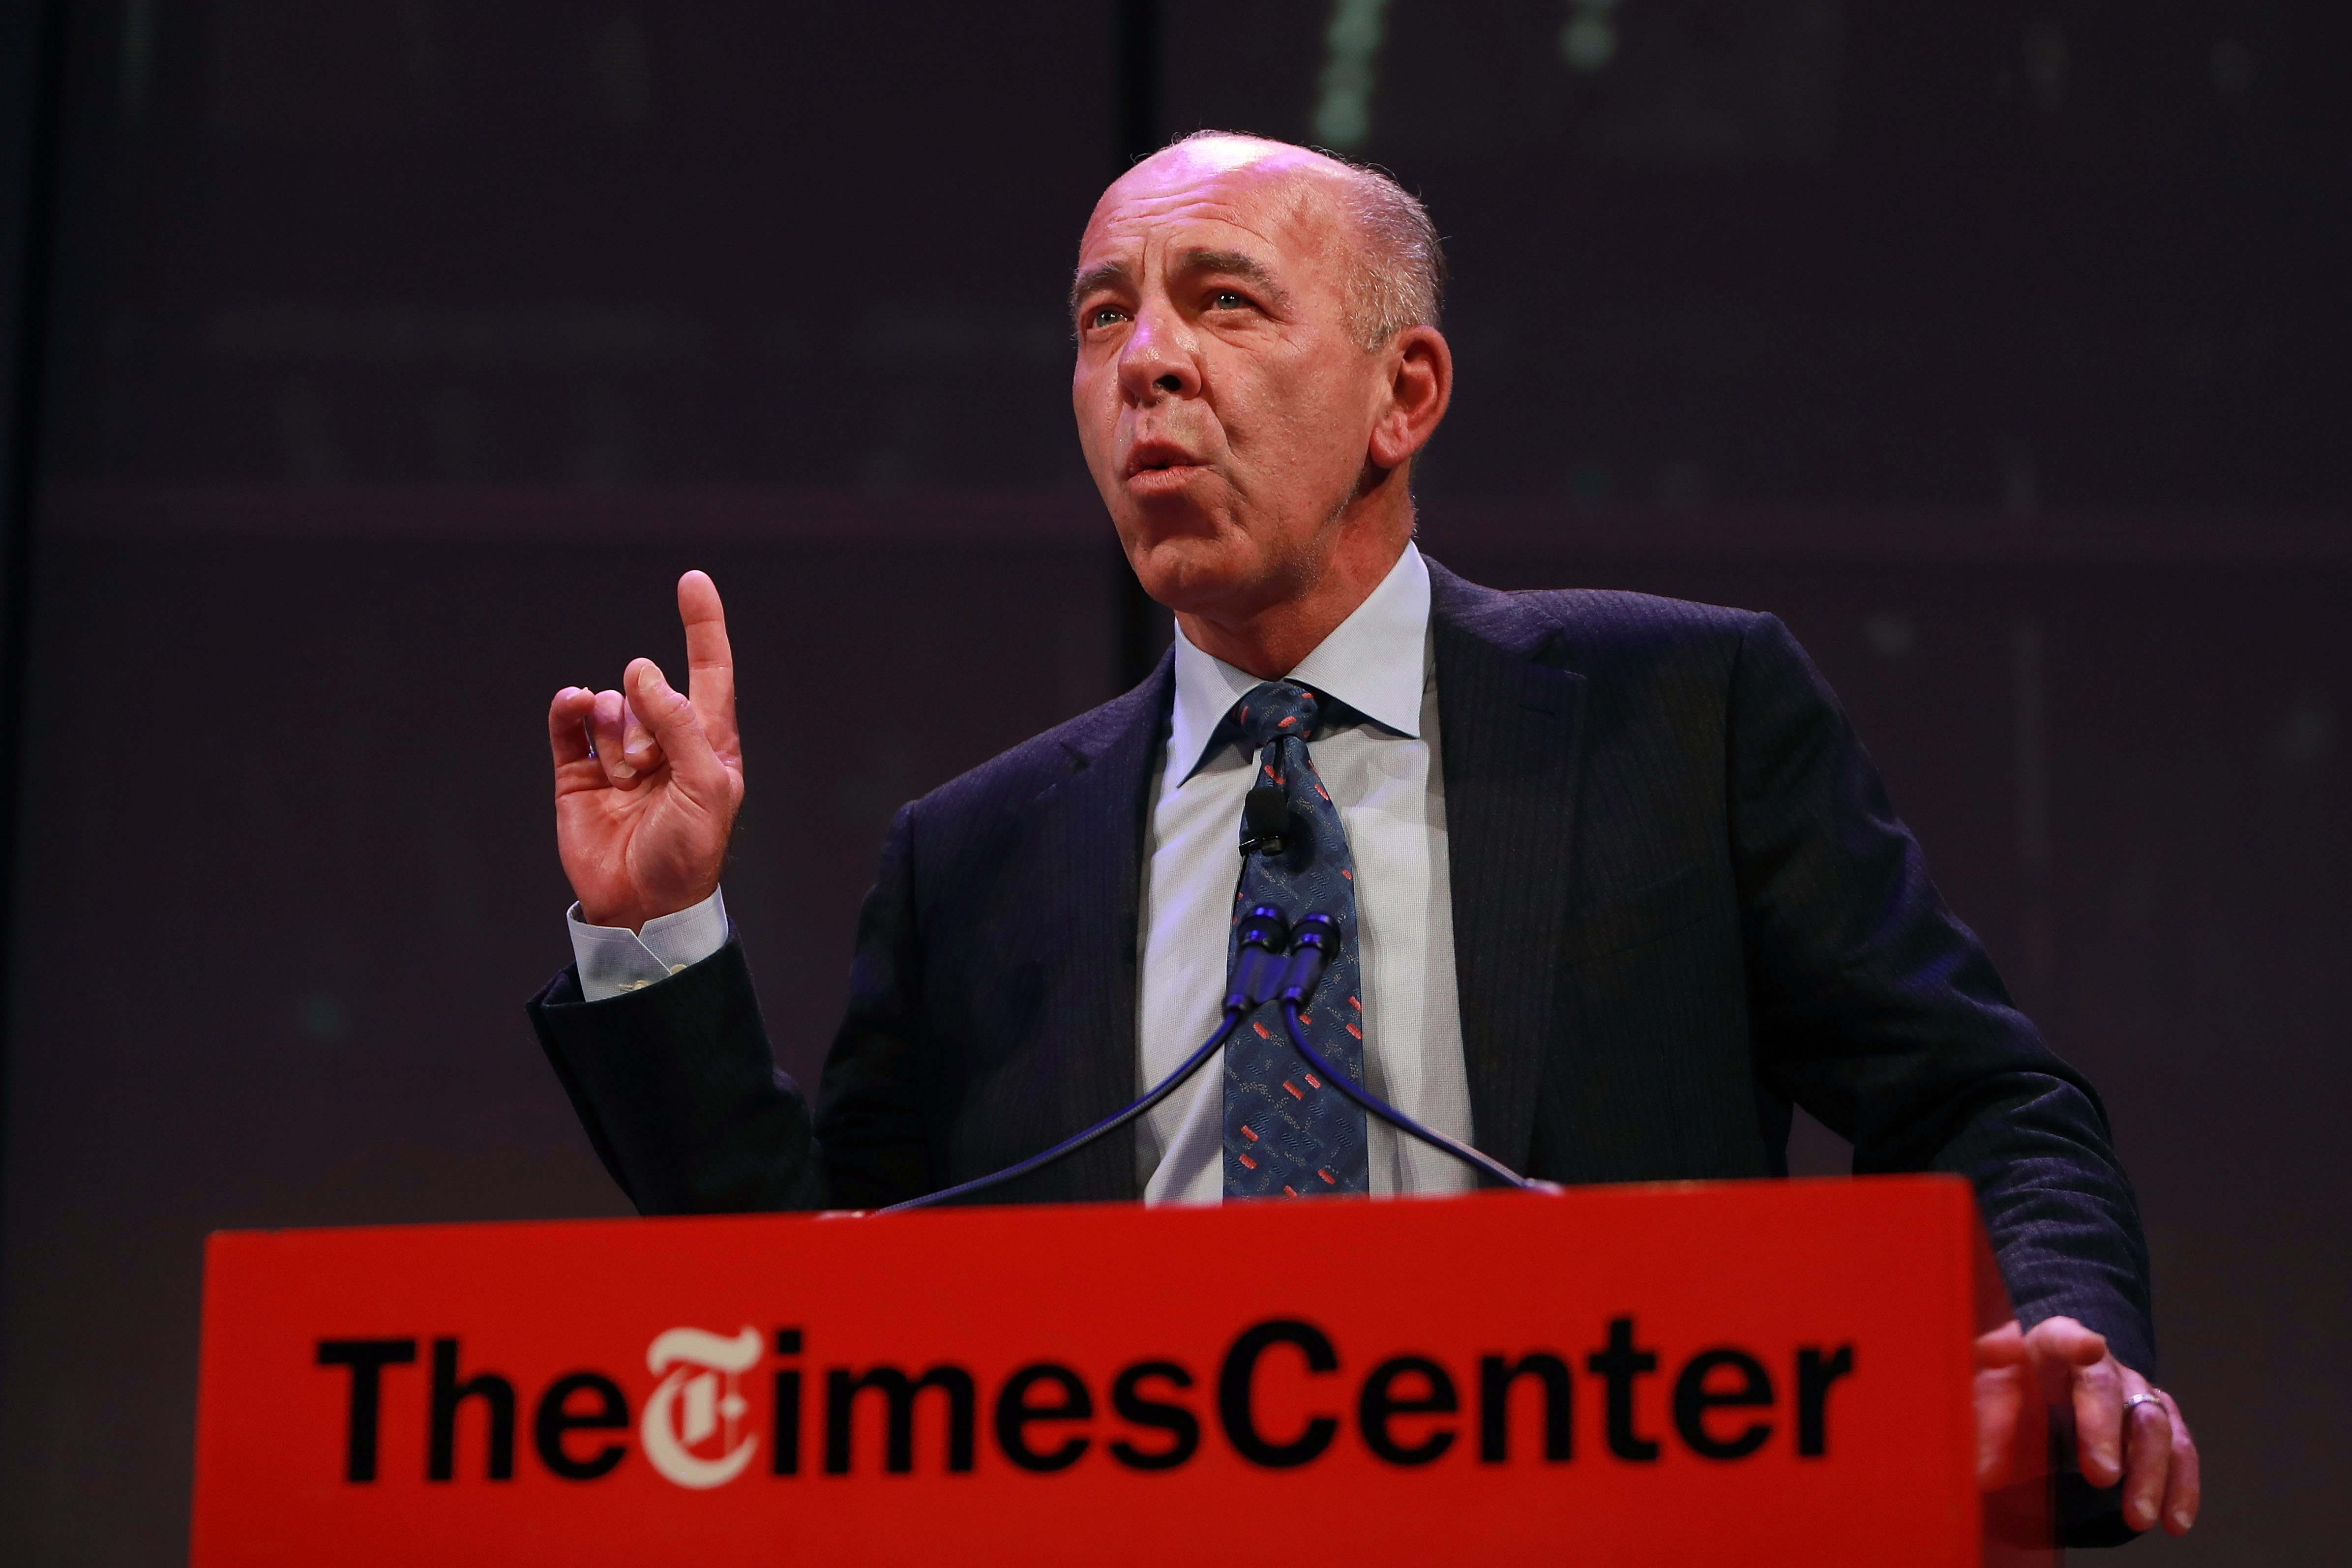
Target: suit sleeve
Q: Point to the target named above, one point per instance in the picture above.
(680, 1095)
(1880, 1013)
(869, 1103)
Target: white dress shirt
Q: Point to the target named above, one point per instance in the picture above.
(613, 958)
(1386, 779)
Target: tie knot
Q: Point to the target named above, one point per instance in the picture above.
(1276, 709)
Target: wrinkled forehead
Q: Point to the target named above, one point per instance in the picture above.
(1226, 191)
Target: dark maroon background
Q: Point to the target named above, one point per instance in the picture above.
(406, 350)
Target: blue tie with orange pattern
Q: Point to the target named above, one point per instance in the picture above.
(1287, 1132)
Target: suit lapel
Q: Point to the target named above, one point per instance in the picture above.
(1509, 726)
(1093, 822)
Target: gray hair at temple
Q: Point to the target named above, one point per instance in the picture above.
(1400, 273)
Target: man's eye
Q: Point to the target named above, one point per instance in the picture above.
(1226, 299)
(1105, 315)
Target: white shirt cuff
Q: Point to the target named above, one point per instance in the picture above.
(613, 958)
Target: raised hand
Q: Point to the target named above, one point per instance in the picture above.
(2125, 1428)
(647, 781)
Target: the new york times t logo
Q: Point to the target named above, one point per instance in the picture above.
(699, 1405)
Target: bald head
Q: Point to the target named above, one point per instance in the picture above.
(1396, 266)
(1257, 364)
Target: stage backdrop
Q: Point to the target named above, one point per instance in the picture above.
(407, 350)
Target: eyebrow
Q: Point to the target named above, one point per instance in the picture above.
(1235, 263)
(1102, 274)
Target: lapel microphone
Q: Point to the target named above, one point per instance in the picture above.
(1266, 817)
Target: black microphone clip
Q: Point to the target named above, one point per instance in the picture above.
(1266, 818)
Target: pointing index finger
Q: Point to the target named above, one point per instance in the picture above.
(711, 663)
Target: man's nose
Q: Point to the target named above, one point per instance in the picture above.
(1156, 362)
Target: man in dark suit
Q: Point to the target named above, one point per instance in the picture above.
(1617, 884)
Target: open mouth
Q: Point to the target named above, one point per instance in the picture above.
(1158, 458)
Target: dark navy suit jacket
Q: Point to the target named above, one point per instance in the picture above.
(1682, 902)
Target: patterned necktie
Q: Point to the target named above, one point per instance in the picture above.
(1288, 1134)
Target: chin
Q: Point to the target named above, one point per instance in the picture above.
(1188, 572)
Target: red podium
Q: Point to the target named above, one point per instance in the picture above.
(1760, 1372)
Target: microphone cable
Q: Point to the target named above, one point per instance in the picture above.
(1372, 1103)
(1258, 968)
(1310, 955)
(1102, 1129)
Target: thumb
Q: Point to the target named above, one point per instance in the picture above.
(667, 712)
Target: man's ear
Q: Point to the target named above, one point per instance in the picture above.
(1420, 367)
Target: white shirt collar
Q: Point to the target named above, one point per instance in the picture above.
(1375, 660)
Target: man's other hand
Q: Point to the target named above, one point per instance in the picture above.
(647, 781)
(2125, 1429)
